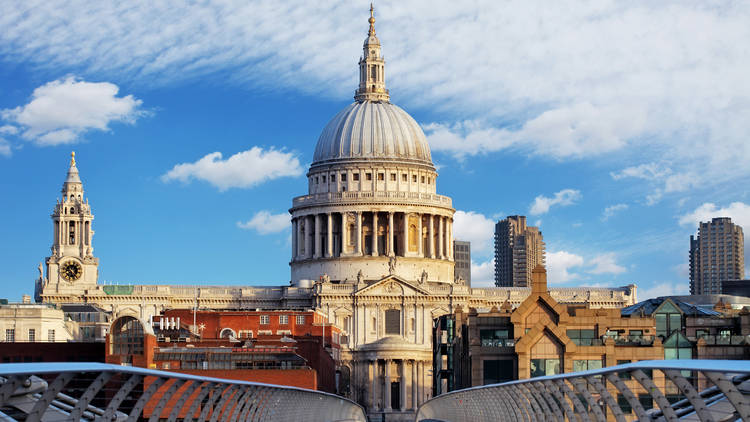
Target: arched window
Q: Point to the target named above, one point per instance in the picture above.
(127, 336)
(227, 333)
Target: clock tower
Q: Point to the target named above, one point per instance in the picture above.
(72, 267)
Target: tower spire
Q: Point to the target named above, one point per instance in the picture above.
(371, 68)
(372, 21)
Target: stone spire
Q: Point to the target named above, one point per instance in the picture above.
(371, 68)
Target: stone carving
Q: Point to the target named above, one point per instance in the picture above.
(351, 217)
(325, 278)
(41, 271)
(460, 281)
(423, 277)
(391, 287)
(360, 277)
(392, 264)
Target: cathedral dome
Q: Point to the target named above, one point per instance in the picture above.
(372, 130)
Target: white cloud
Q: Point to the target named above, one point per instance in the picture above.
(483, 273)
(646, 171)
(266, 223)
(636, 81)
(242, 170)
(5, 148)
(8, 130)
(61, 111)
(605, 264)
(663, 289)
(739, 212)
(475, 228)
(612, 210)
(559, 265)
(565, 197)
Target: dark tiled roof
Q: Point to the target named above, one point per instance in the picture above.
(649, 306)
(81, 308)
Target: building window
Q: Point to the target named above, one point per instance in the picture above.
(343, 177)
(414, 178)
(393, 177)
(381, 176)
(624, 374)
(624, 404)
(333, 178)
(582, 337)
(323, 178)
(355, 177)
(128, 337)
(495, 371)
(368, 176)
(646, 401)
(265, 319)
(283, 319)
(585, 365)
(393, 321)
(422, 179)
(10, 335)
(541, 367)
(300, 320)
(668, 319)
(493, 338)
(245, 333)
(678, 347)
(404, 177)
(701, 333)
(32, 335)
(725, 333)
(50, 335)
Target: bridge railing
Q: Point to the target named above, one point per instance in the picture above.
(700, 390)
(100, 392)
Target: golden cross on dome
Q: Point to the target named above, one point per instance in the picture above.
(372, 21)
(73, 158)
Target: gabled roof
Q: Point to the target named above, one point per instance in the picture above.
(648, 307)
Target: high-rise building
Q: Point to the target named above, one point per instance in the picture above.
(518, 249)
(716, 254)
(462, 258)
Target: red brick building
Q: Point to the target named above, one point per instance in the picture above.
(296, 348)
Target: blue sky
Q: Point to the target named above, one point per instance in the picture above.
(614, 126)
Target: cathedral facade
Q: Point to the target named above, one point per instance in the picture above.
(372, 248)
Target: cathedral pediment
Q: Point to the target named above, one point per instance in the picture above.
(392, 285)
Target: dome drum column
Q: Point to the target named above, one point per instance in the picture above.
(431, 237)
(441, 240)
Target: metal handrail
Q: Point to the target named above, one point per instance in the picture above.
(594, 393)
(84, 391)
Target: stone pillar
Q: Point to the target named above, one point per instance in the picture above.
(420, 238)
(343, 234)
(375, 233)
(414, 385)
(402, 385)
(372, 372)
(308, 237)
(431, 237)
(450, 238)
(329, 238)
(441, 240)
(420, 380)
(359, 232)
(318, 230)
(294, 239)
(390, 233)
(406, 234)
(300, 237)
(387, 387)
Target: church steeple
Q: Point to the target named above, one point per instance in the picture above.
(72, 264)
(371, 68)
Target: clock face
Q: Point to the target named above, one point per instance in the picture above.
(71, 271)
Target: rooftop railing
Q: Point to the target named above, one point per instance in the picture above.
(671, 390)
(100, 392)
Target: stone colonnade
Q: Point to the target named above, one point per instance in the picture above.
(381, 374)
(341, 234)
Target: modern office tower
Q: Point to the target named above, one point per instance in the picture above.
(462, 257)
(717, 254)
(518, 249)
